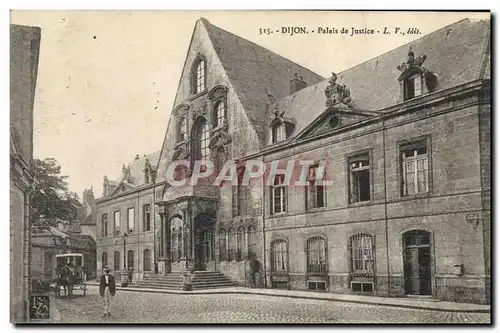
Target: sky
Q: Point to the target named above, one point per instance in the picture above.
(107, 79)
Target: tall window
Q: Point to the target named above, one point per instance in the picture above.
(199, 77)
(104, 225)
(415, 165)
(130, 259)
(279, 195)
(203, 139)
(316, 255)
(278, 133)
(240, 243)
(146, 219)
(117, 222)
(182, 128)
(279, 256)
(147, 260)
(231, 245)
(413, 86)
(104, 259)
(222, 245)
(220, 113)
(362, 254)
(360, 178)
(252, 241)
(315, 193)
(116, 261)
(130, 219)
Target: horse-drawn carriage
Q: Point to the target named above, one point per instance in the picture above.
(70, 274)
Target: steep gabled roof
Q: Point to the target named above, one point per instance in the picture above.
(456, 54)
(253, 69)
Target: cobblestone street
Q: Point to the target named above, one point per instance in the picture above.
(135, 307)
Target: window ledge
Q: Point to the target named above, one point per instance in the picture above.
(194, 96)
(360, 203)
(282, 214)
(316, 209)
(422, 195)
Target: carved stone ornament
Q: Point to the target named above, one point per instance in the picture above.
(412, 64)
(218, 92)
(220, 138)
(199, 112)
(337, 94)
(277, 114)
(181, 152)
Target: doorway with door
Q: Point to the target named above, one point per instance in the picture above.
(204, 257)
(417, 262)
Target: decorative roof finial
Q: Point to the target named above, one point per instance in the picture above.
(337, 93)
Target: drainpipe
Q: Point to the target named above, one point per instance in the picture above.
(385, 209)
(264, 254)
(152, 217)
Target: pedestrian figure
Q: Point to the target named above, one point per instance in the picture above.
(107, 289)
(130, 275)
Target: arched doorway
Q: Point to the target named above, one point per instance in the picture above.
(204, 256)
(417, 262)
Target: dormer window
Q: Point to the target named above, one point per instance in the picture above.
(220, 113)
(278, 133)
(182, 129)
(199, 77)
(413, 86)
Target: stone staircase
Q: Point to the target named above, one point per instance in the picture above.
(210, 280)
(173, 281)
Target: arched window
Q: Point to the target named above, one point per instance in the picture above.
(279, 256)
(362, 254)
(316, 255)
(130, 259)
(147, 260)
(220, 113)
(252, 242)
(231, 245)
(199, 77)
(240, 243)
(116, 261)
(222, 245)
(104, 259)
(182, 129)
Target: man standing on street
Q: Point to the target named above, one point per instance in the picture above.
(107, 289)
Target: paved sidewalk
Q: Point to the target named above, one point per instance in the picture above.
(373, 300)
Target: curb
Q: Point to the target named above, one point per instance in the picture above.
(415, 307)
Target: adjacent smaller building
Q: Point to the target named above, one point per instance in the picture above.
(126, 212)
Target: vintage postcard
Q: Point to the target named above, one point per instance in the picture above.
(250, 167)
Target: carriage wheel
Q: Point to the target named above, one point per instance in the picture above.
(84, 291)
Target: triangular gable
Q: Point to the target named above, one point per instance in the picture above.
(333, 119)
(122, 187)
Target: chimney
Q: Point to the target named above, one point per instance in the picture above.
(88, 196)
(297, 83)
(137, 157)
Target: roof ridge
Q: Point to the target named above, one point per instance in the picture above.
(383, 54)
(401, 46)
(205, 21)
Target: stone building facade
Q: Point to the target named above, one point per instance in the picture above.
(403, 140)
(24, 53)
(127, 208)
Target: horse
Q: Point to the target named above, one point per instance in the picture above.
(66, 278)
